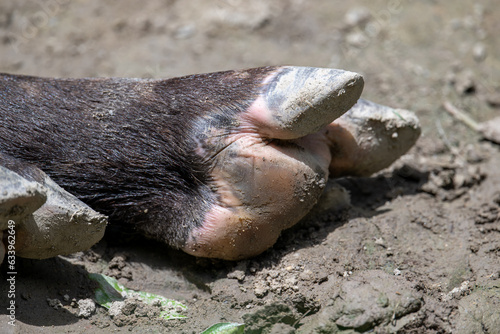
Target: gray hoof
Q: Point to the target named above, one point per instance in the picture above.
(46, 220)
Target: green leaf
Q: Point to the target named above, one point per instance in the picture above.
(225, 328)
(109, 291)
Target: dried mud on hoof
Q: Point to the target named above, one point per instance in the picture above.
(44, 219)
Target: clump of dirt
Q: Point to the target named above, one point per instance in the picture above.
(417, 250)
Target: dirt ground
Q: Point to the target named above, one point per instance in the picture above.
(418, 250)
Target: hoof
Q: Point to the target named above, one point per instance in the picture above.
(45, 220)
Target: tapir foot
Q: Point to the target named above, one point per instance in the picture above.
(216, 164)
(274, 166)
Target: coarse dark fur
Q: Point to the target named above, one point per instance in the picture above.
(127, 147)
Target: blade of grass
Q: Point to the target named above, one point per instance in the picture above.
(109, 291)
(225, 328)
(461, 116)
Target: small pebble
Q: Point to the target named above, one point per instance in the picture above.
(87, 308)
(116, 308)
(465, 84)
(129, 306)
(357, 16)
(357, 39)
(237, 274)
(54, 303)
(479, 52)
(306, 275)
(260, 290)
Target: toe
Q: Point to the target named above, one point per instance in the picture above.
(370, 137)
(297, 101)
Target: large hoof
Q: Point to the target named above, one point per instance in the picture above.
(273, 169)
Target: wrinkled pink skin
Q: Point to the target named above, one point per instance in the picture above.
(280, 182)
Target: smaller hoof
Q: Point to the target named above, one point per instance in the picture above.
(369, 138)
(19, 197)
(63, 225)
(48, 221)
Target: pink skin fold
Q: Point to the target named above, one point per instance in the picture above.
(268, 176)
(289, 141)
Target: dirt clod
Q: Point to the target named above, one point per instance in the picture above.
(265, 318)
(86, 307)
